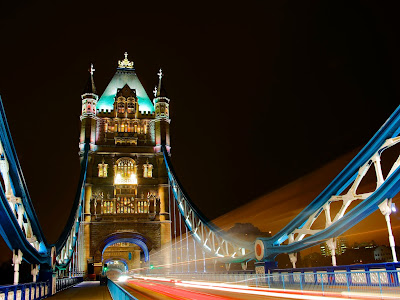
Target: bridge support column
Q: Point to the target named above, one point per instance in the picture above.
(228, 266)
(386, 209)
(293, 259)
(17, 259)
(86, 227)
(331, 243)
(34, 272)
(163, 193)
(392, 242)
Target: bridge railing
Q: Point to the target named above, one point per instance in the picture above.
(33, 291)
(117, 292)
(64, 283)
(376, 283)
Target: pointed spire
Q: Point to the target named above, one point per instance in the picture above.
(90, 88)
(155, 91)
(160, 89)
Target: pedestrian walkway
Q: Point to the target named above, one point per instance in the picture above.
(91, 290)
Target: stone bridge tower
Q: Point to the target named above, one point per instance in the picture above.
(126, 192)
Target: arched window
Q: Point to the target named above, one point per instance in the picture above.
(131, 107)
(125, 171)
(147, 170)
(103, 169)
(121, 107)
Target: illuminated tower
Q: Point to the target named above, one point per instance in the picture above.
(88, 115)
(126, 192)
(162, 120)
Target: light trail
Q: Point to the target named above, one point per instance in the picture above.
(177, 293)
(180, 263)
(292, 294)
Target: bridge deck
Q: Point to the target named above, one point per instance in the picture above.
(85, 290)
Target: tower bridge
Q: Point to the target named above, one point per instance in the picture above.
(126, 189)
(131, 215)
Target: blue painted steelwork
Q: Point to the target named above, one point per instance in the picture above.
(9, 227)
(117, 292)
(212, 239)
(75, 217)
(273, 245)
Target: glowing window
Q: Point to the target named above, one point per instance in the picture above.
(121, 107)
(131, 108)
(108, 207)
(102, 169)
(147, 170)
(125, 171)
(125, 205)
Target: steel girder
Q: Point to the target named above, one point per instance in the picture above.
(299, 233)
(212, 239)
(19, 225)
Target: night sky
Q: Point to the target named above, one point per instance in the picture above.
(262, 92)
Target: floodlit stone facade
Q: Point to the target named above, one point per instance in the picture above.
(126, 192)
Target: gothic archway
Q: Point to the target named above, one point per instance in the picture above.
(127, 237)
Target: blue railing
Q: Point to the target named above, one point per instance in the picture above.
(117, 292)
(64, 283)
(33, 291)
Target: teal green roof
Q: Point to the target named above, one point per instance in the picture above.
(122, 77)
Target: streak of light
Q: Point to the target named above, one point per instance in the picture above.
(177, 293)
(180, 263)
(292, 294)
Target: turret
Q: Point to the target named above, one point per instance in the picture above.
(162, 120)
(88, 115)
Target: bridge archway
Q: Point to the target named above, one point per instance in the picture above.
(113, 259)
(127, 237)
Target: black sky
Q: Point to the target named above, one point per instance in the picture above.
(262, 92)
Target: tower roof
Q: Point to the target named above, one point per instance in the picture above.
(90, 88)
(125, 74)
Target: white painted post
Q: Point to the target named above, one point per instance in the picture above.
(17, 259)
(386, 209)
(4, 169)
(34, 271)
(228, 266)
(293, 259)
(331, 243)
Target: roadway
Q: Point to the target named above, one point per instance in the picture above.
(147, 289)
